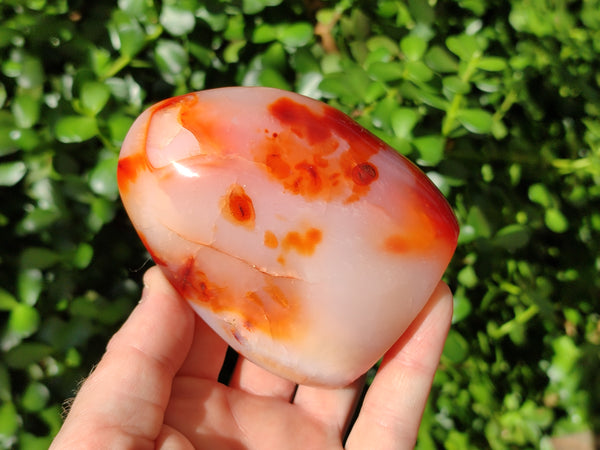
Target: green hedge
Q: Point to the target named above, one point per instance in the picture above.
(498, 101)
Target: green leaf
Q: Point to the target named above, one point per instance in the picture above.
(424, 96)
(8, 144)
(431, 148)
(529, 18)
(264, 33)
(350, 86)
(383, 42)
(477, 6)
(23, 320)
(177, 20)
(455, 85)
(231, 54)
(30, 283)
(467, 277)
(413, 47)
(296, 35)
(252, 7)
(9, 423)
(273, 78)
(118, 126)
(466, 234)
(127, 35)
(35, 397)
(499, 129)
(7, 300)
(375, 91)
(100, 61)
(275, 57)
(475, 120)
(171, 59)
(440, 60)
(379, 55)
(83, 255)
(422, 12)
(94, 96)
(26, 353)
(235, 30)
(491, 63)
(37, 219)
(465, 46)
(418, 71)
(215, 18)
(308, 84)
(512, 237)
(26, 139)
(477, 219)
(201, 54)
(103, 178)
(39, 257)
(52, 416)
(32, 442)
(539, 193)
(556, 221)
(456, 347)
(127, 91)
(386, 71)
(31, 75)
(462, 307)
(73, 358)
(12, 172)
(102, 211)
(72, 129)
(26, 110)
(135, 8)
(403, 120)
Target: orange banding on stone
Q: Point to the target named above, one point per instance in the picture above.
(303, 244)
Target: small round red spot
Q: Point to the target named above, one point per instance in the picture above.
(364, 174)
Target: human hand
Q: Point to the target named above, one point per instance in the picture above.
(156, 387)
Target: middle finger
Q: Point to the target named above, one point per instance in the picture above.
(251, 378)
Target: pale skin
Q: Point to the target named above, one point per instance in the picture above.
(156, 387)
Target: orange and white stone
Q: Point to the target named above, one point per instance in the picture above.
(304, 241)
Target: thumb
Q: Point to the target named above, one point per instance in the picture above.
(123, 400)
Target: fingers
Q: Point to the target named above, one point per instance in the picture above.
(251, 378)
(128, 391)
(171, 439)
(206, 354)
(332, 407)
(394, 404)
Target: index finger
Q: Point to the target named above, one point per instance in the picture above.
(394, 404)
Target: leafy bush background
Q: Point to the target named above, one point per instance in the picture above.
(498, 101)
